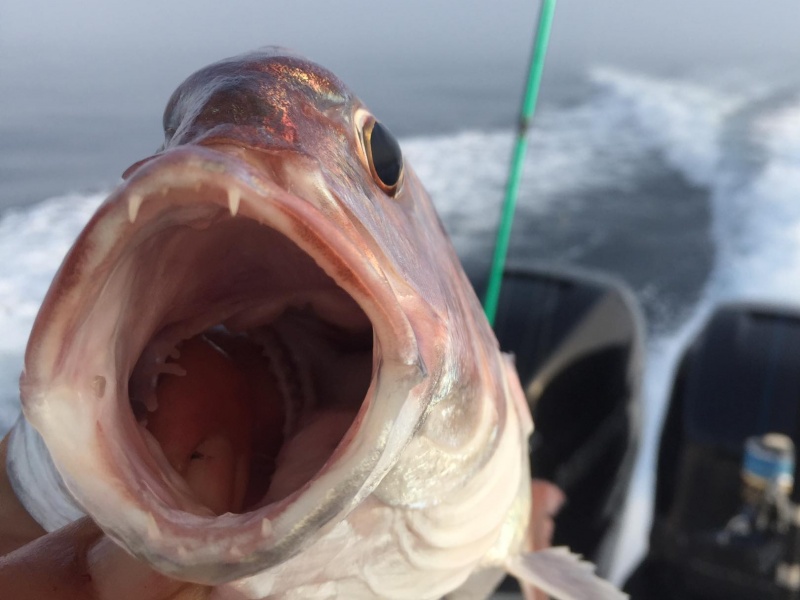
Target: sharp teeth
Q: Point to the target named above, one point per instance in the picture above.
(152, 528)
(266, 527)
(134, 202)
(99, 386)
(233, 201)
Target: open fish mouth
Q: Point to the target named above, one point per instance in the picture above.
(213, 347)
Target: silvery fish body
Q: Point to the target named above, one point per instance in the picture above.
(279, 215)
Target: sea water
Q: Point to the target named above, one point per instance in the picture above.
(687, 188)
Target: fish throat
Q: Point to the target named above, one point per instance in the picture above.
(240, 363)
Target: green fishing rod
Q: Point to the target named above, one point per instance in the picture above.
(527, 110)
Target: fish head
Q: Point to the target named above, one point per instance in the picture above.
(278, 215)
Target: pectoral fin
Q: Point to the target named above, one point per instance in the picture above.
(562, 575)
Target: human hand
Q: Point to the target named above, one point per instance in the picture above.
(546, 501)
(78, 562)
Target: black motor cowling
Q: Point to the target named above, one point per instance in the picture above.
(738, 381)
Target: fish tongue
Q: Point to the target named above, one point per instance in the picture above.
(219, 421)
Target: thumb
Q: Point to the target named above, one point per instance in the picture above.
(78, 562)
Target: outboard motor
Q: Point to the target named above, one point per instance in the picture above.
(578, 344)
(726, 461)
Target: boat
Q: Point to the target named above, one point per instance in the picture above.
(724, 499)
(722, 524)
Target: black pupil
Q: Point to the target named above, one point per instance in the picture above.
(386, 156)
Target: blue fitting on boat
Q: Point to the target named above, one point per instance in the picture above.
(769, 459)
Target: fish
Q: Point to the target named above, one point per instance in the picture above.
(262, 369)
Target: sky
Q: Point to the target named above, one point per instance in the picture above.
(628, 32)
(157, 44)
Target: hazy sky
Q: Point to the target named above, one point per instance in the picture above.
(586, 31)
(373, 44)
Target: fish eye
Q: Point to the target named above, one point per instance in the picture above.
(384, 156)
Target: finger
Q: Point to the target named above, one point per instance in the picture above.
(79, 563)
(546, 501)
(547, 497)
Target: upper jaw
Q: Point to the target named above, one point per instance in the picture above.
(74, 388)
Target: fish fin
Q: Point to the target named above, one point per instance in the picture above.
(561, 574)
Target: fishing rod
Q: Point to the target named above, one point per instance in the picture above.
(527, 110)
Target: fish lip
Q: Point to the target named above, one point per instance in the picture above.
(203, 548)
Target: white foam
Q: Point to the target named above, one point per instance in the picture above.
(33, 243)
(757, 221)
(679, 118)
